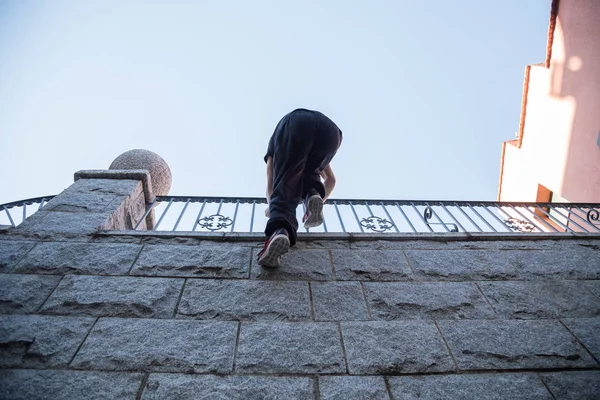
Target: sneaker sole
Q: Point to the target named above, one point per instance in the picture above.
(314, 210)
(277, 247)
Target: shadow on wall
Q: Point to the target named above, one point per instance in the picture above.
(576, 74)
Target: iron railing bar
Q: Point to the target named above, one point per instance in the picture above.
(198, 217)
(526, 218)
(252, 216)
(542, 220)
(438, 218)
(12, 223)
(369, 208)
(555, 220)
(215, 199)
(356, 216)
(422, 217)
(33, 200)
(390, 218)
(180, 215)
(163, 215)
(585, 220)
(42, 204)
(150, 206)
(24, 213)
(219, 208)
(469, 218)
(568, 217)
(324, 224)
(237, 205)
(406, 218)
(371, 202)
(304, 212)
(262, 200)
(483, 219)
(339, 216)
(453, 217)
(496, 217)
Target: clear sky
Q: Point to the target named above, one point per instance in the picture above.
(425, 91)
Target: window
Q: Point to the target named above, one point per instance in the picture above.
(545, 195)
(562, 215)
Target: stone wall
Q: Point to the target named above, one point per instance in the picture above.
(90, 314)
(181, 317)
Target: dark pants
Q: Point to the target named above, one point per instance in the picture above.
(303, 144)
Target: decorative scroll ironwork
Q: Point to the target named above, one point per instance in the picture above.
(376, 224)
(215, 222)
(428, 214)
(519, 225)
(592, 216)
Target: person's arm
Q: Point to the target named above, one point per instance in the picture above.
(269, 182)
(328, 181)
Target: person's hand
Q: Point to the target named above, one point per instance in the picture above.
(267, 212)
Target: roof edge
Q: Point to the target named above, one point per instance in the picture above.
(524, 98)
(501, 170)
(551, 28)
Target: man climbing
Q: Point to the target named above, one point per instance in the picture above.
(298, 156)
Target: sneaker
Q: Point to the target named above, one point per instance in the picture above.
(313, 216)
(277, 245)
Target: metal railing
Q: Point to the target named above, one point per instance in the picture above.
(15, 213)
(246, 214)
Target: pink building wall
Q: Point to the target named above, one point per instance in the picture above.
(559, 139)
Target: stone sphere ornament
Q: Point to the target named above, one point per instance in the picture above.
(160, 173)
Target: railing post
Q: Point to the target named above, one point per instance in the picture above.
(116, 198)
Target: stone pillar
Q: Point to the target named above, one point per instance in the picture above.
(116, 198)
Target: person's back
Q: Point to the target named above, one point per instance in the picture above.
(298, 155)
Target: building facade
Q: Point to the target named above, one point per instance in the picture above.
(556, 154)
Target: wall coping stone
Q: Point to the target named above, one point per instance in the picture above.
(353, 237)
(135, 174)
